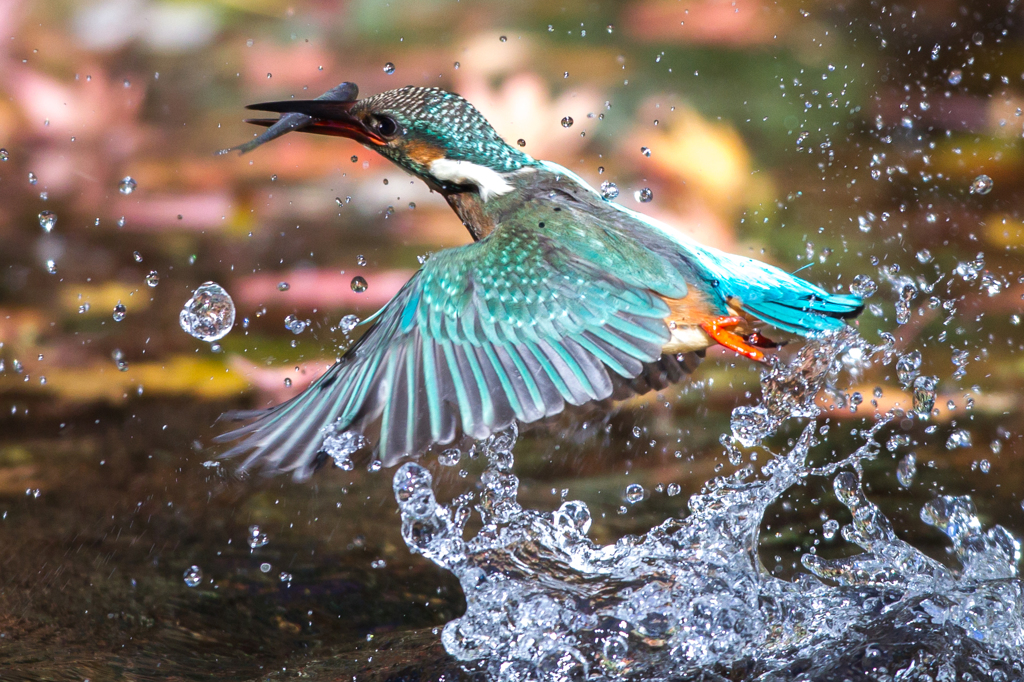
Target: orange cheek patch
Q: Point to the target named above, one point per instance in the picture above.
(422, 152)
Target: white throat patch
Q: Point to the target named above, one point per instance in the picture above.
(490, 182)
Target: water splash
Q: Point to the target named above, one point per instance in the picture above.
(690, 598)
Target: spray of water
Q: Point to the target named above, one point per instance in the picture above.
(690, 598)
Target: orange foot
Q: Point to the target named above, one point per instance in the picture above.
(718, 329)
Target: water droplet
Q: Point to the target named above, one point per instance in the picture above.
(341, 446)
(521, 142)
(32, 179)
(829, 529)
(193, 576)
(117, 355)
(863, 286)
(503, 39)
(361, 260)
(4, 155)
(209, 314)
(984, 466)
(907, 367)
(981, 185)
(119, 312)
(924, 256)
(51, 267)
(610, 28)
(283, 286)
(634, 493)
(348, 323)
(137, 256)
(256, 537)
(906, 470)
(359, 284)
(287, 382)
(84, 308)
(294, 324)
(457, 65)
(924, 395)
(955, 76)
(127, 185)
(646, 151)
(643, 195)
(389, 68)
(450, 457)
(673, 489)
(567, 122)
(47, 220)
(609, 191)
(285, 577)
(961, 438)
(153, 278)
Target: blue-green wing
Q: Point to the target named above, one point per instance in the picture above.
(509, 328)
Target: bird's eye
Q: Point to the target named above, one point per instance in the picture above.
(385, 125)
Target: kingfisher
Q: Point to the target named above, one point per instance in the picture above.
(563, 297)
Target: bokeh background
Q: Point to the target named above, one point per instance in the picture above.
(848, 138)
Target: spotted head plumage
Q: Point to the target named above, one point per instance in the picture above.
(445, 121)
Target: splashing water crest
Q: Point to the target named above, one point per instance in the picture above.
(691, 598)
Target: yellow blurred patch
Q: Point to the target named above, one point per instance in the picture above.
(1004, 230)
(102, 297)
(200, 377)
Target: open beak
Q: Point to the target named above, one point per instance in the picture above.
(325, 115)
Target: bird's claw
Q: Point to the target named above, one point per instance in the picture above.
(719, 329)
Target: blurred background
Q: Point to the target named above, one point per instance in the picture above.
(849, 138)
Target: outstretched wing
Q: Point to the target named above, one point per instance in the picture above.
(512, 327)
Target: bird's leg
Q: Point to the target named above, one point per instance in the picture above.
(718, 329)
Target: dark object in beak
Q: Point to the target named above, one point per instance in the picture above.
(327, 115)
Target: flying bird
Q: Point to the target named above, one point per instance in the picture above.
(562, 298)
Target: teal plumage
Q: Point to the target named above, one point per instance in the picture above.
(564, 299)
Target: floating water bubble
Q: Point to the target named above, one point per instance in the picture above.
(907, 367)
(981, 185)
(210, 314)
(984, 466)
(341, 445)
(265, 567)
(863, 286)
(287, 382)
(153, 278)
(193, 576)
(567, 122)
(136, 256)
(673, 489)
(521, 142)
(294, 324)
(829, 529)
(924, 395)
(127, 185)
(283, 286)
(609, 191)
(634, 493)
(503, 39)
(924, 256)
(961, 438)
(361, 260)
(450, 457)
(906, 470)
(51, 267)
(348, 323)
(32, 179)
(4, 155)
(645, 151)
(389, 68)
(117, 355)
(119, 312)
(256, 537)
(643, 195)
(47, 220)
(955, 76)
(359, 284)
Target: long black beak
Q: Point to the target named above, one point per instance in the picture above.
(328, 114)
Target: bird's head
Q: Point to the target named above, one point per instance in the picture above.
(433, 134)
